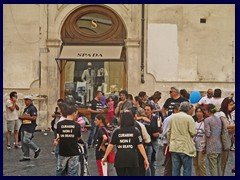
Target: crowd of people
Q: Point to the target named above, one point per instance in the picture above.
(133, 127)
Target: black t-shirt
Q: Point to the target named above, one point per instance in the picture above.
(32, 111)
(95, 105)
(170, 102)
(126, 140)
(100, 154)
(69, 132)
(152, 127)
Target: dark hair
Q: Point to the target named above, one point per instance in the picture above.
(60, 100)
(101, 117)
(211, 108)
(63, 107)
(224, 106)
(217, 93)
(126, 119)
(184, 93)
(12, 94)
(71, 109)
(97, 92)
(137, 98)
(130, 97)
(151, 106)
(123, 92)
(201, 108)
(107, 100)
(157, 93)
(142, 94)
(154, 97)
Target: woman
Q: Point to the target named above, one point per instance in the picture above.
(137, 102)
(102, 141)
(199, 140)
(213, 128)
(127, 139)
(225, 115)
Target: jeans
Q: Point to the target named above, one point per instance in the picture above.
(151, 171)
(27, 144)
(67, 165)
(92, 138)
(179, 160)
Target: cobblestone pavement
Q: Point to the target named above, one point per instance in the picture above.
(45, 164)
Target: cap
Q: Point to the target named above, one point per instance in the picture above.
(89, 64)
(28, 97)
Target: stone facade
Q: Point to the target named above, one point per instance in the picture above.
(203, 54)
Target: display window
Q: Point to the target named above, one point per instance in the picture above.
(83, 79)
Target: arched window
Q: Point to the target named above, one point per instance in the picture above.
(92, 54)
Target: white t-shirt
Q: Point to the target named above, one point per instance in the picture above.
(11, 115)
(217, 102)
(205, 100)
(199, 139)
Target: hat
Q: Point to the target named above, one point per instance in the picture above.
(28, 97)
(89, 64)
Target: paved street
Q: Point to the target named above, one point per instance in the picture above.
(45, 164)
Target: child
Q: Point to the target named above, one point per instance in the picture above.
(110, 113)
(82, 122)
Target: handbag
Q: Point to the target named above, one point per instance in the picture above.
(224, 138)
(111, 155)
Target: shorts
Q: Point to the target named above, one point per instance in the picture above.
(13, 125)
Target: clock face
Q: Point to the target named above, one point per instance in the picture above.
(94, 23)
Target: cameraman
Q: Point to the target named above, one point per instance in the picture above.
(56, 115)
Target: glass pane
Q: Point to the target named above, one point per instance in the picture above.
(94, 23)
(83, 79)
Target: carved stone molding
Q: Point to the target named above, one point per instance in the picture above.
(93, 24)
(53, 42)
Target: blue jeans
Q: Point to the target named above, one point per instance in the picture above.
(67, 165)
(92, 138)
(179, 160)
(27, 144)
(151, 171)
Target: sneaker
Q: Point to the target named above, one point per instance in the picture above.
(17, 146)
(8, 147)
(24, 159)
(37, 152)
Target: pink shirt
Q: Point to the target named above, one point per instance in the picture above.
(110, 104)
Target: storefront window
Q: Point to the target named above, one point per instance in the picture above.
(83, 79)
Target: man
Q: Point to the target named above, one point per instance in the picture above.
(143, 96)
(168, 159)
(180, 138)
(123, 104)
(204, 101)
(68, 134)
(12, 119)
(89, 76)
(28, 126)
(175, 98)
(94, 108)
